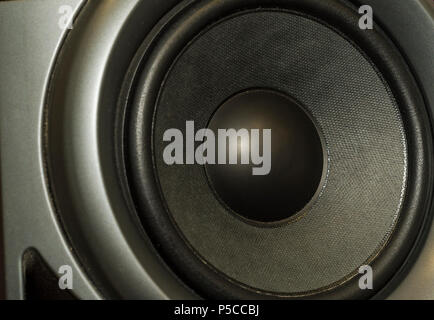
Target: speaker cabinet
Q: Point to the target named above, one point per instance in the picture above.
(219, 149)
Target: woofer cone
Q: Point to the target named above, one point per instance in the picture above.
(155, 60)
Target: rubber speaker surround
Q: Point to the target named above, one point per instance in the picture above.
(180, 78)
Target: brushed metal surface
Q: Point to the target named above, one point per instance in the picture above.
(29, 41)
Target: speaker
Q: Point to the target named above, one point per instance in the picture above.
(218, 149)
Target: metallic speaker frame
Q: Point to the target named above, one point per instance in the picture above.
(108, 235)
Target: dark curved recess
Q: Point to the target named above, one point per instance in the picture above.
(185, 23)
(40, 281)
